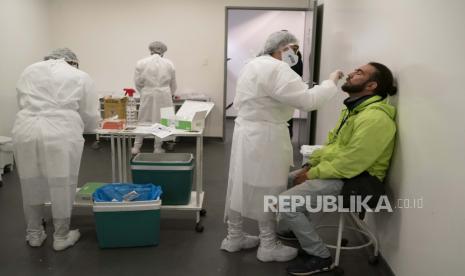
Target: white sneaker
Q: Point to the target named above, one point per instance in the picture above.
(135, 150)
(72, 237)
(237, 244)
(36, 239)
(276, 253)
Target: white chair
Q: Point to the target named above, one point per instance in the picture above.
(341, 244)
(6, 156)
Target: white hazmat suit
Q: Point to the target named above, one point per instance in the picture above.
(267, 93)
(57, 104)
(155, 79)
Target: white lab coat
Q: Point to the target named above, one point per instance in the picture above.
(155, 80)
(56, 104)
(267, 93)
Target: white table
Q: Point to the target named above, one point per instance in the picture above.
(121, 144)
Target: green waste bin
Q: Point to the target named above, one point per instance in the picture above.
(127, 224)
(174, 172)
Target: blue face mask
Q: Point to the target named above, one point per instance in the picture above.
(289, 57)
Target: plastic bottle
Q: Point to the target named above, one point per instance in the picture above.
(131, 108)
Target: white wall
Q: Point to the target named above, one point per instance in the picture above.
(24, 38)
(247, 33)
(109, 36)
(422, 41)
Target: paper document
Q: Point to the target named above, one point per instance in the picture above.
(161, 131)
(143, 129)
(158, 130)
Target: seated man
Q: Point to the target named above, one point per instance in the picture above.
(361, 144)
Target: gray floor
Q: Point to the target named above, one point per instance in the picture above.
(181, 251)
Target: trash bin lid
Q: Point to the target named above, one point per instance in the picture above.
(166, 158)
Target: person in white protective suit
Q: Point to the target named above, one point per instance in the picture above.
(267, 93)
(57, 104)
(155, 79)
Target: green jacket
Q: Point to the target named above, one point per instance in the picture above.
(364, 143)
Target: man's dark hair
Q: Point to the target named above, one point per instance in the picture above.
(383, 77)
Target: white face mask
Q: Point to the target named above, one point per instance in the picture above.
(289, 57)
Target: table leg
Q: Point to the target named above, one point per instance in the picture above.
(113, 163)
(130, 157)
(120, 167)
(199, 161)
(125, 160)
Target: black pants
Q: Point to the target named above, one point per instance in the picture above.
(363, 185)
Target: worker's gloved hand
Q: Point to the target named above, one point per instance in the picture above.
(336, 76)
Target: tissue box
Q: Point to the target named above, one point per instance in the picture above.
(191, 116)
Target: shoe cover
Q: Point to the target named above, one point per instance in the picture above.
(70, 239)
(237, 244)
(276, 253)
(36, 239)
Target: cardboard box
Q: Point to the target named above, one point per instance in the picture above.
(191, 116)
(115, 106)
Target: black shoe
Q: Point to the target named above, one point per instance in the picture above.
(312, 265)
(287, 236)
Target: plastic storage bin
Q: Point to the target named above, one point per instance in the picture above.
(127, 224)
(174, 172)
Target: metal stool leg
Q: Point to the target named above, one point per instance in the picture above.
(339, 238)
(371, 237)
(359, 227)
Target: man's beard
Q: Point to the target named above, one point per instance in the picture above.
(353, 88)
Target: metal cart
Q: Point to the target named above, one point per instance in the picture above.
(121, 144)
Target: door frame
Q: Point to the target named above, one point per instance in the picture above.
(225, 62)
(319, 13)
